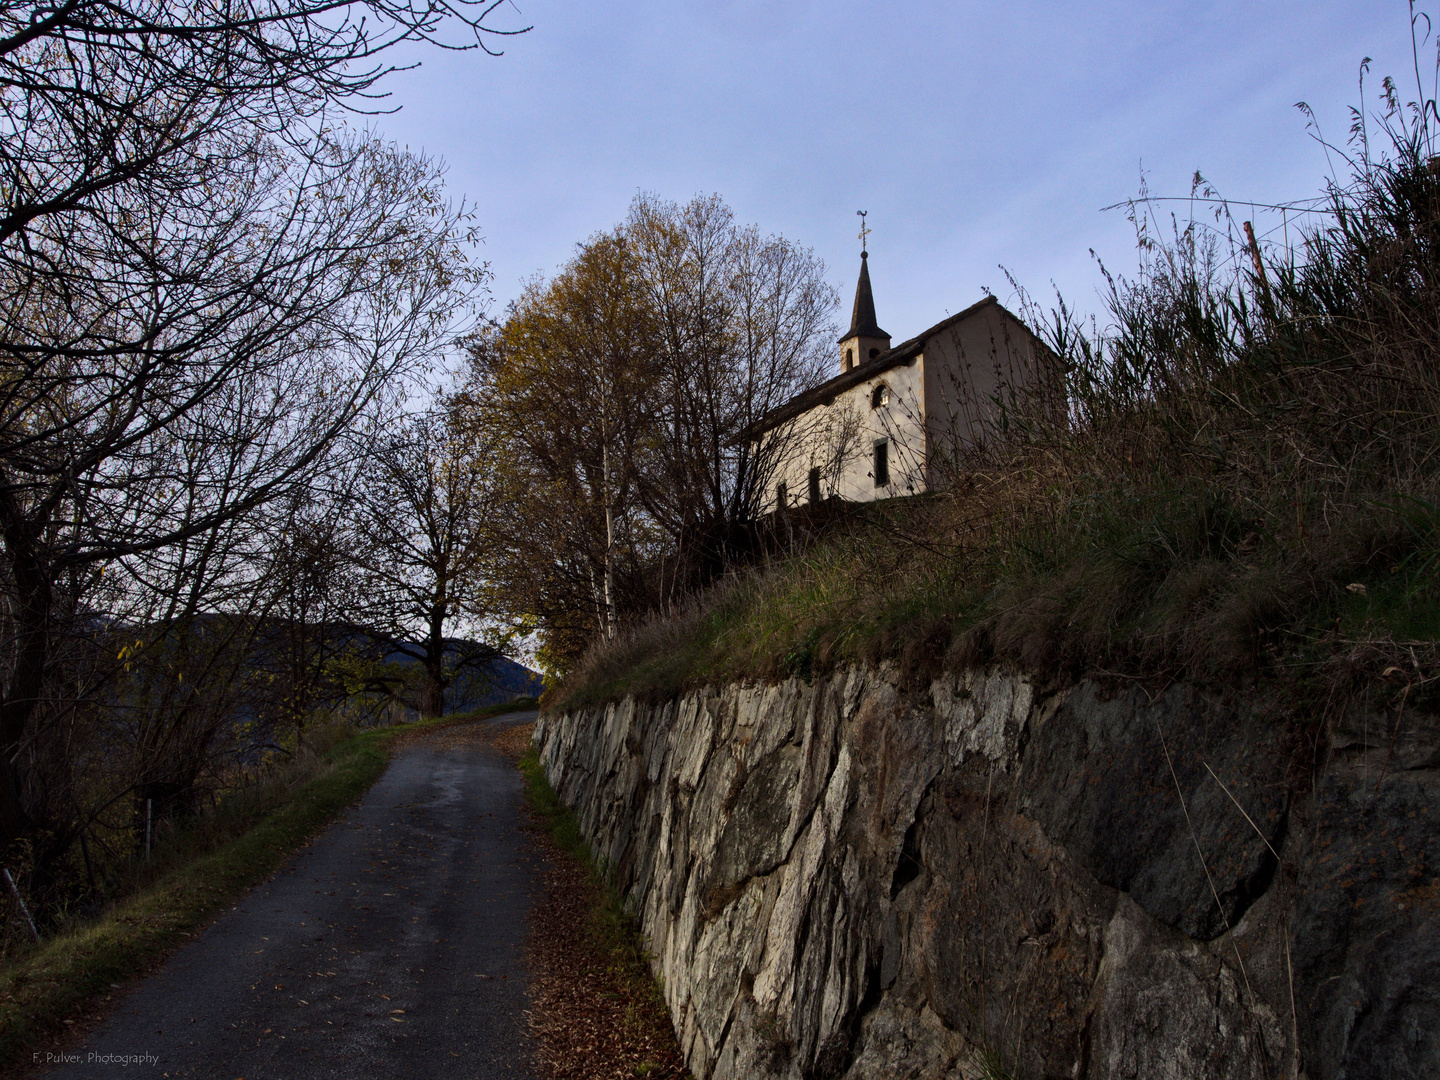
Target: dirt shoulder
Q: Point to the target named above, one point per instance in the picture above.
(596, 1012)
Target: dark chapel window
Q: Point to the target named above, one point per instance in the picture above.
(881, 471)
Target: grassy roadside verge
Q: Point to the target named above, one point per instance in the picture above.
(596, 1008)
(70, 974)
(559, 819)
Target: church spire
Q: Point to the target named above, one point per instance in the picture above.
(864, 340)
(862, 318)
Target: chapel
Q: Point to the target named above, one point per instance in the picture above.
(893, 421)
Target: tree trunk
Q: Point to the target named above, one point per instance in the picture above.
(609, 544)
(597, 598)
(32, 648)
(433, 696)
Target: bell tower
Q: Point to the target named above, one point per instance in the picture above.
(864, 340)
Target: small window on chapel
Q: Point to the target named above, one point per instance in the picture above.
(849, 359)
(880, 396)
(874, 353)
(780, 496)
(814, 485)
(881, 472)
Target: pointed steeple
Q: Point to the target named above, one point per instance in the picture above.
(862, 318)
(864, 340)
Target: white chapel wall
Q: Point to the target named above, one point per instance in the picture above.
(940, 402)
(839, 440)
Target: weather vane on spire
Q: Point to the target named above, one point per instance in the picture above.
(864, 232)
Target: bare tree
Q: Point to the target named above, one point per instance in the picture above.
(743, 324)
(305, 636)
(423, 547)
(111, 104)
(232, 339)
(208, 289)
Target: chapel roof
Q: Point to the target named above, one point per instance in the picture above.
(826, 392)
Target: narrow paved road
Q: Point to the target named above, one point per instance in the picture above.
(391, 947)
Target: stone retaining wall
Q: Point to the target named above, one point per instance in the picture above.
(991, 878)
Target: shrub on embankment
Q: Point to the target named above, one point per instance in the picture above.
(1239, 478)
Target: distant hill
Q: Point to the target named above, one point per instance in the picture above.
(489, 683)
(500, 680)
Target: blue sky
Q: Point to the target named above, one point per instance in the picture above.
(976, 134)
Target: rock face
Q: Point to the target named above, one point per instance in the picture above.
(991, 878)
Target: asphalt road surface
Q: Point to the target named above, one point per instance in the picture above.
(390, 947)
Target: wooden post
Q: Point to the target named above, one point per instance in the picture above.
(89, 869)
(1260, 271)
(15, 890)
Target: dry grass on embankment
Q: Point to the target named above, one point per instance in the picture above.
(1239, 481)
(1156, 595)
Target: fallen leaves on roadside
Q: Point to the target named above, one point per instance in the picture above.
(464, 732)
(594, 1015)
(513, 741)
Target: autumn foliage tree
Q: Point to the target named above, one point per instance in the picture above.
(618, 392)
(562, 389)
